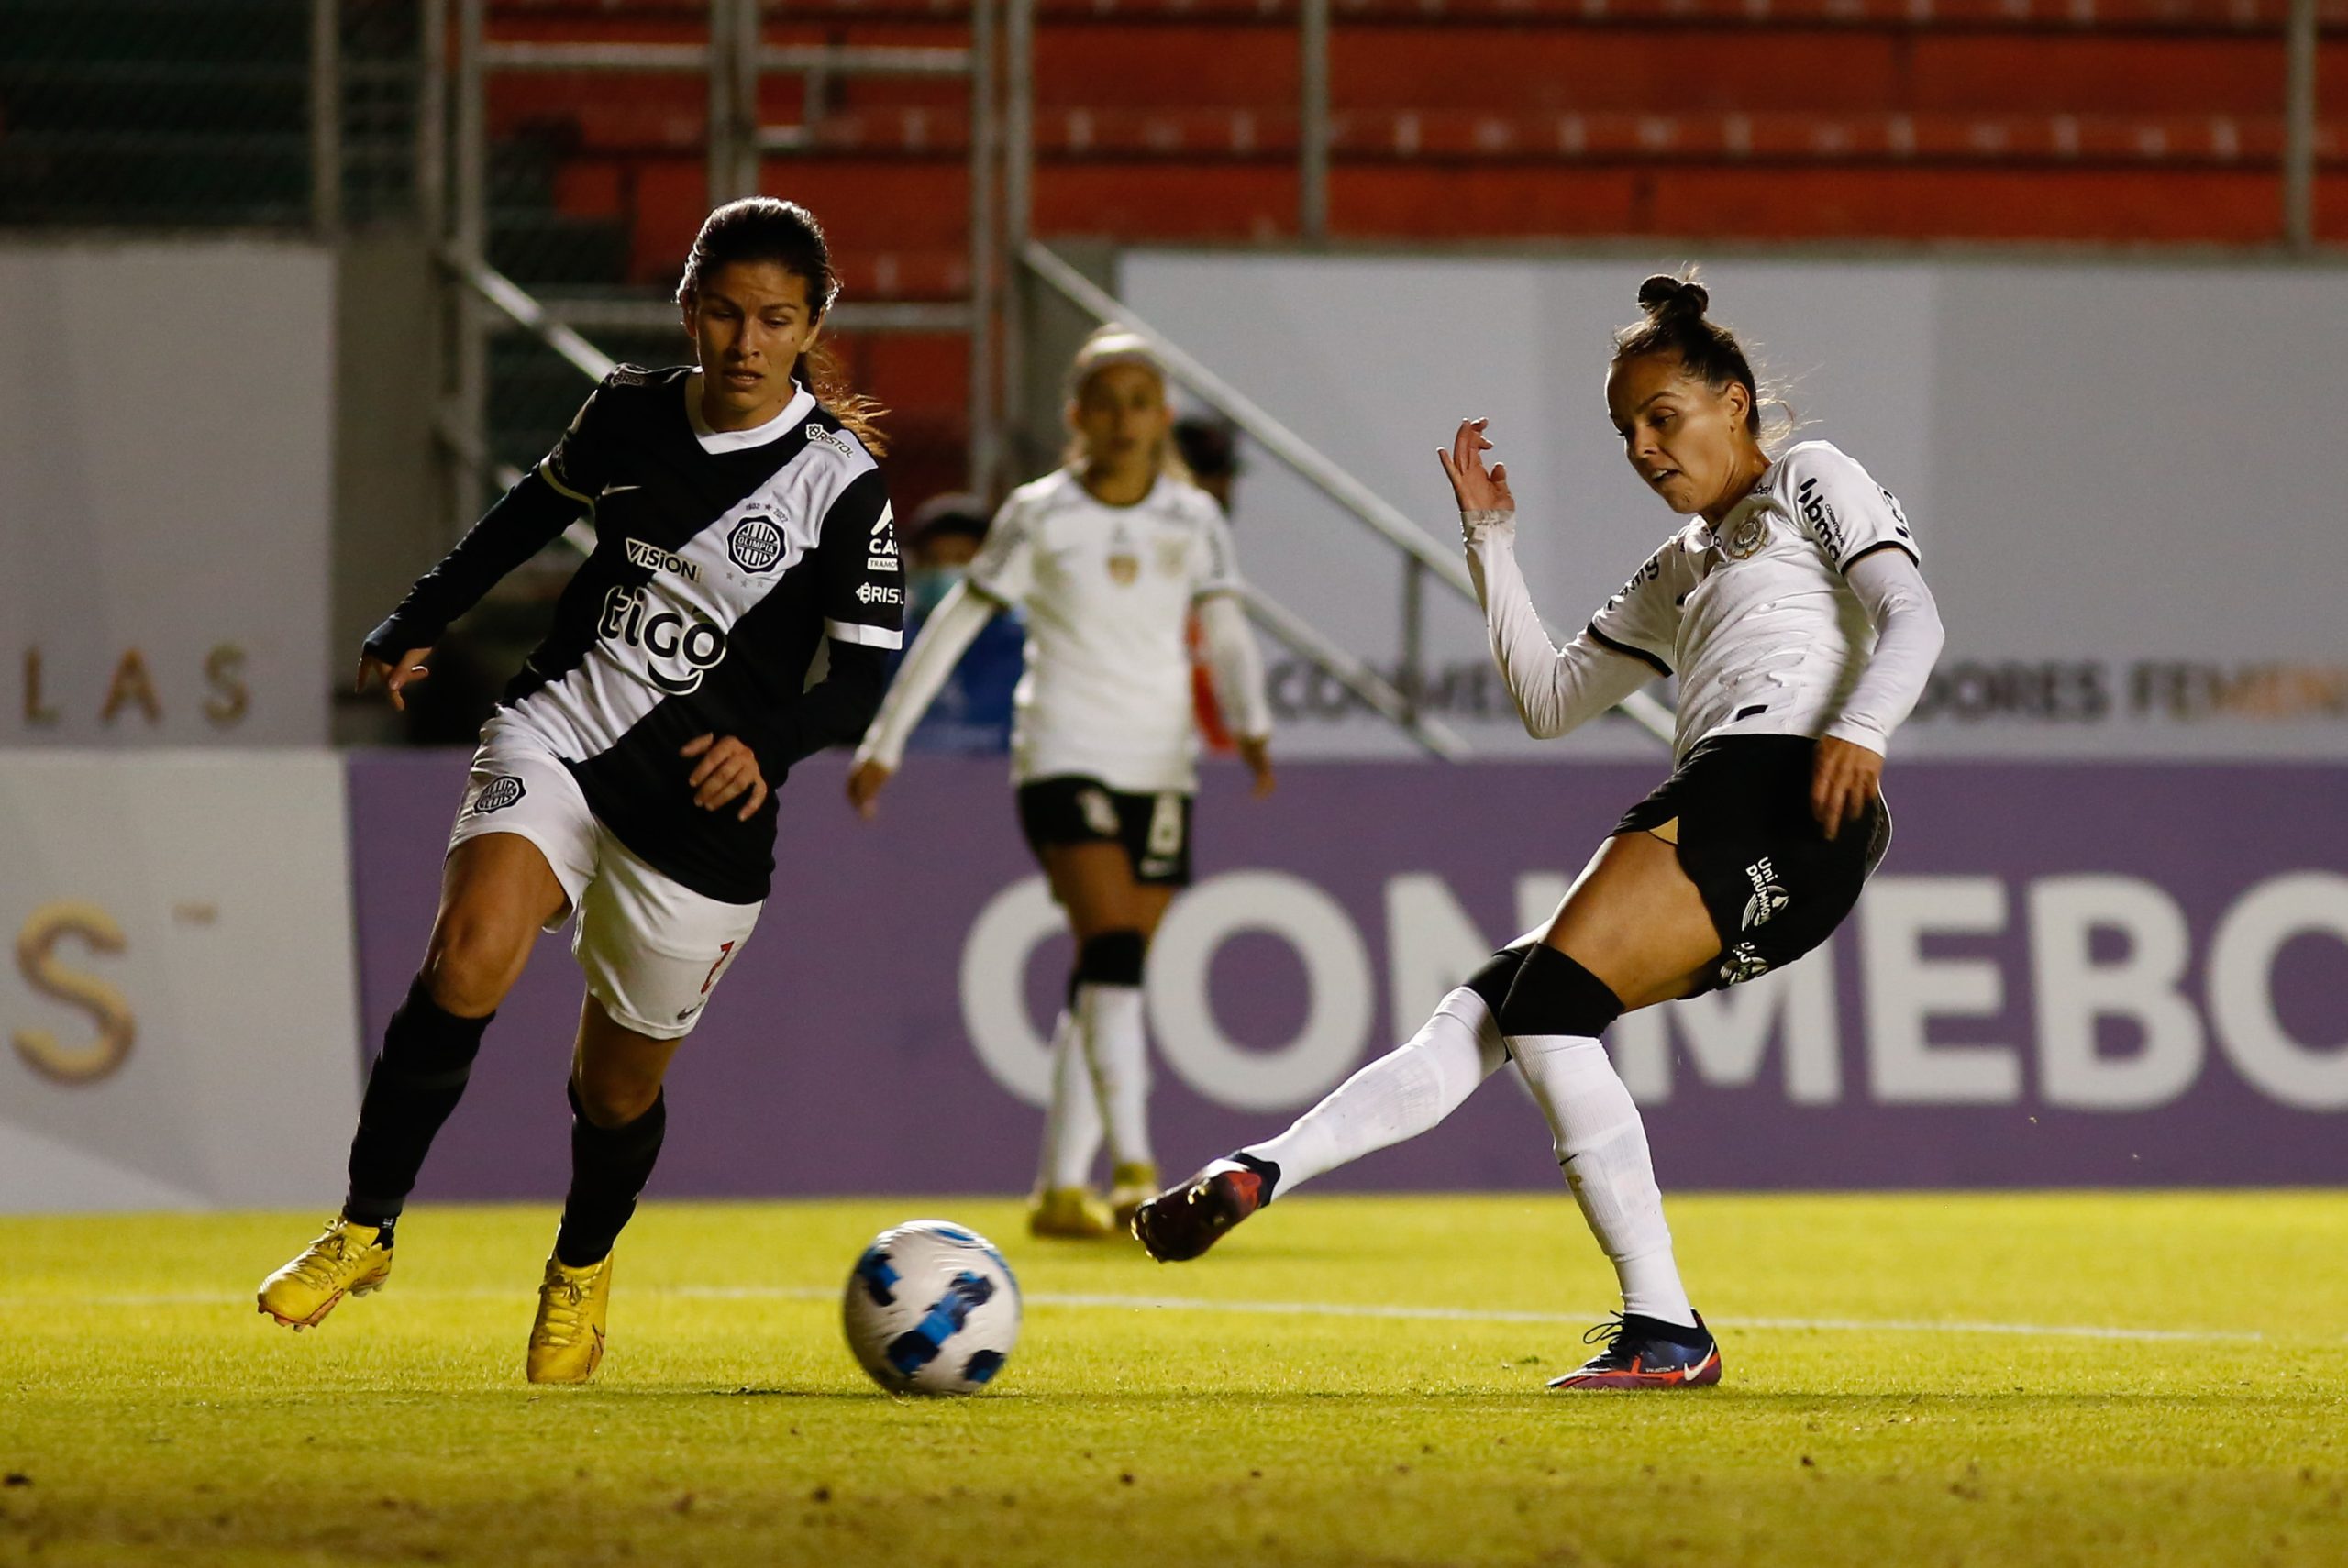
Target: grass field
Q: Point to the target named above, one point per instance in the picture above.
(1911, 1380)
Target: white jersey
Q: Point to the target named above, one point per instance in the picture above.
(1756, 617)
(1108, 591)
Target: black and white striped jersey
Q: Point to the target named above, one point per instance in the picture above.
(723, 561)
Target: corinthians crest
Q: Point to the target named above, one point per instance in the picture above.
(1125, 563)
(1745, 536)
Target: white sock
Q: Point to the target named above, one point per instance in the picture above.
(1602, 1148)
(1401, 1094)
(1117, 1043)
(1072, 1119)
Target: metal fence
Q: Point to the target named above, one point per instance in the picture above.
(165, 114)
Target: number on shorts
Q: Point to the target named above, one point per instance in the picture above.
(714, 967)
(1166, 828)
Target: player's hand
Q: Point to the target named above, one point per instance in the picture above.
(864, 786)
(1256, 751)
(406, 670)
(1475, 490)
(727, 768)
(1842, 779)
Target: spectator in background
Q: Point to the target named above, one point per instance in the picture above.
(972, 710)
(1209, 446)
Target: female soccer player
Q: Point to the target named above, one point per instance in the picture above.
(1748, 857)
(1108, 554)
(628, 778)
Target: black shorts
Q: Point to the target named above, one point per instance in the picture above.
(1775, 886)
(1155, 829)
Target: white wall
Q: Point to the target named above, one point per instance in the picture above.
(2122, 476)
(166, 448)
(180, 1010)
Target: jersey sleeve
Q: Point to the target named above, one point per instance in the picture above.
(1005, 567)
(580, 466)
(1642, 621)
(863, 578)
(1217, 569)
(1842, 508)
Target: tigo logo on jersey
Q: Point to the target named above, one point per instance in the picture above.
(652, 558)
(756, 542)
(698, 649)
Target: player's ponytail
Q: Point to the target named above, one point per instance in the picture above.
(1672, 321)
(761, 229)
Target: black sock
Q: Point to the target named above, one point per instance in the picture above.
(609, 1167)
(416, 1082)
(1268, 1169)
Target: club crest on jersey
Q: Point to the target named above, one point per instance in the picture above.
(756, 542)
(1745, 541)
(1124, 570)
(497, 794)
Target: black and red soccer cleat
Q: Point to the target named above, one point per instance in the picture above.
(1183, 1221)
(1647, 1352)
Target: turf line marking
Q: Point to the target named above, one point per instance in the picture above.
(1270, 1308)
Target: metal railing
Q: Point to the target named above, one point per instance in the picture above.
(735, 60)
(1421, 557)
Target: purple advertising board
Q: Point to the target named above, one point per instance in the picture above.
(2064, 974)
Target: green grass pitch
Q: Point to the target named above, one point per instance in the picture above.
(1911, 1380)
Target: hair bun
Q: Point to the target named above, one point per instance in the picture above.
(1664, 295)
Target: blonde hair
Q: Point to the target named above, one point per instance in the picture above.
(1116, 345)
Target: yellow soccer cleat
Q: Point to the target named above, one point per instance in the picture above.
(566, 1342)
(344, 1261)
(1130, 1186)
(1068, 1214)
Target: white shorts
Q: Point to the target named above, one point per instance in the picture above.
(651, 949)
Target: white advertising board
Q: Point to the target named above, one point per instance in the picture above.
(2121, 474)
(179, 1004)
(166, 453)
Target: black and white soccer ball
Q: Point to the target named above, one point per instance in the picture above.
(931, 1309)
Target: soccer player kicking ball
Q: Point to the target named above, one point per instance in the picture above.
(628, 774)
(1794, 612)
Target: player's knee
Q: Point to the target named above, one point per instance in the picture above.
(1495, 976)
(612, 1098)
(468, 969)
(1554, 995)
(1111, 959)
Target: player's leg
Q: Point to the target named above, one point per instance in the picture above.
(1112, 915)
(1632, 931)
(497, 892)
(619, 1118)
(1065, 1204)
(1404, 1093)
(653, 952)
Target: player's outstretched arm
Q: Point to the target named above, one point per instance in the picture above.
(1555, 688)
(525, 521)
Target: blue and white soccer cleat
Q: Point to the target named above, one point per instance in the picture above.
(1647, 1352)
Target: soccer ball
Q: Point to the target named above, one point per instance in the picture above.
(931, 1309)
